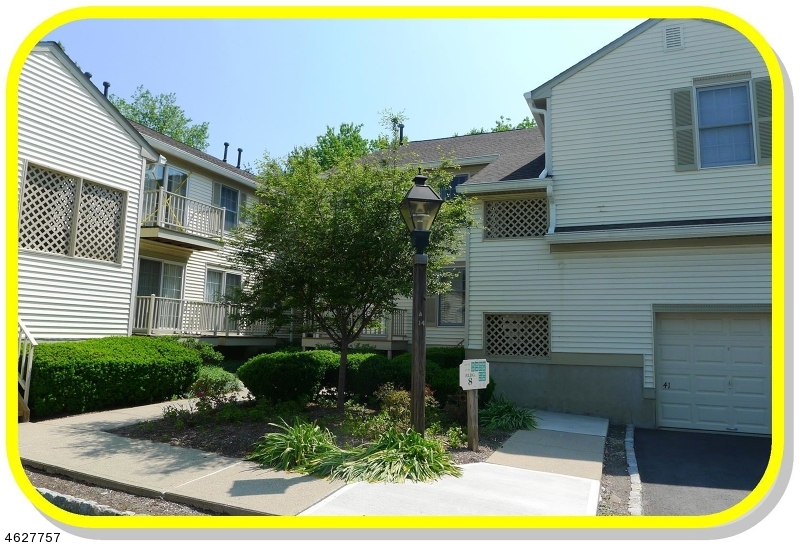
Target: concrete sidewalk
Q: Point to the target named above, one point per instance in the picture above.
(553, 470)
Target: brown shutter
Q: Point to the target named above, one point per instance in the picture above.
(762, 95)
(683, 126)
(431, 302)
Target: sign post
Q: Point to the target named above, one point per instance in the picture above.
(473, 375)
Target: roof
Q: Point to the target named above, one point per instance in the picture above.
(546, 88)
(125, 124)
(200, 156)
(512, 155)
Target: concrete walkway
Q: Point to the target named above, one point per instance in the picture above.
(554, 470)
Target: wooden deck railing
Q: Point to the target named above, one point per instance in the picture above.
(154, 315)
(25, 347)
(167, 210)
(392, 327)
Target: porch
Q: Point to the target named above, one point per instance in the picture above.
(388, 335)
(177, 220)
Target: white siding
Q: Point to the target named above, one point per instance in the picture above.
(612, 137)
(62, 127)
(435, 336)
(602, 301)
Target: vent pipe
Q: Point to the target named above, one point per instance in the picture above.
(401, 133)
(106, 85)
(88, 75)
(239, 161)
(225, 156)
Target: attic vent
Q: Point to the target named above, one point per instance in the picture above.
(673, 38)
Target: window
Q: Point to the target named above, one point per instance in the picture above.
(515, 218)
(221, 283)
(176, 179)
(227, 197)
(163, 279)
(451, 304)
(723, 121)
(68, 215)
(518, 335)
(449, 193)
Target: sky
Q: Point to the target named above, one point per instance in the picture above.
(270, 85)
(274, 88)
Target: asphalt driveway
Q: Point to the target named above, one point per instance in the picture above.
(693, 473)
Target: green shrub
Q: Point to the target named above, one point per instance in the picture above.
(285, 376)
(456, 437)
(206, 351)
(80, 376)
(214, 381)
(366, 372)
(293, 448)
(503, 414)
(446, 357)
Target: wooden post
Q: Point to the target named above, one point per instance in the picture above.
(418, 344)
(150, 312)
(472, 419)
(162, 205)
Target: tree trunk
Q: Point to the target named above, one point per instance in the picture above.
(342, 377)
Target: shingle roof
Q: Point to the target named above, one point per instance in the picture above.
(193, 151)
(521, 153)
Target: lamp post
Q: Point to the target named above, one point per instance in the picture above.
(419, 209)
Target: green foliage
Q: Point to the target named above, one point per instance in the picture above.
(293, 448)
(446, 357)
(333, 246)
(456, 437)
(367, 372)
(396, 457)
(503, 414)
(503, 124)
(161, 113)
(214, 381)
(286, 376)
(206, 351)
(76, 377)
(333, 147)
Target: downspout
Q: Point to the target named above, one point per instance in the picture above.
(544, 114)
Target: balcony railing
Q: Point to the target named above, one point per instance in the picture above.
(389, 328)
(167, 210)
(154, 315)
(25, 347)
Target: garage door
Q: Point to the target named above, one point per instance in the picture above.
(713, 371)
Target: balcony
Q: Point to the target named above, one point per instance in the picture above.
(389, 334)
(173, 219)
(155, 316)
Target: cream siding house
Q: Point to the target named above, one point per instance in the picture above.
(81, 167)
(642, 291)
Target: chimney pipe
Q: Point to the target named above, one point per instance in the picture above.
(225, 157)
(106, 85)
(401, 133)
(239, 161)
(88, 75)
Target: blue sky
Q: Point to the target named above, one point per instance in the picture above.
(269, 85)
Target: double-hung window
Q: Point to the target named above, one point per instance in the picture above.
(221, 284)
(228, 197)
(451, 303)
(723, 121)
(450, 192)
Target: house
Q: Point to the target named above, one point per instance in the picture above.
(190, 204)
(631, 279)
(510, 157)
(81, 165)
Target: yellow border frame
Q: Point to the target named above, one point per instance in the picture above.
(406, 522)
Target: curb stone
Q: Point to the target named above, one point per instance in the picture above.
(80, 506)
(635, 499)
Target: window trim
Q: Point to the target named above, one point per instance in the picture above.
(216, 199)
(225, 272)
(439, 323)
(722, 82)
(120, 253)
(182, 265)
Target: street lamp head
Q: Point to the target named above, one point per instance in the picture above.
(419, 209)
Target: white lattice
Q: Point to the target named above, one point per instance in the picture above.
(516, 218)
(518, 335)
(99, 222)
(47, 211)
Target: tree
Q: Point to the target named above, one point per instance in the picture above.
(161, 113)
(333, 245)
(334, 146)
(504, 124)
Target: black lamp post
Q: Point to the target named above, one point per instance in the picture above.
(419, 209)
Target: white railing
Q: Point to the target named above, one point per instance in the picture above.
(389, 328)
(25, 347)
(154, 315)
(167, 210)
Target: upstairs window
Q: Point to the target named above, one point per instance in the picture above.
(450, 192)
(725, 126)
(229, 198)
(451, 303)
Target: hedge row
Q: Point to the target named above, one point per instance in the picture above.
(80, 376)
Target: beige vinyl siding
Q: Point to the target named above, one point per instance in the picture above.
(602, 302)
(435, 336)
(613, 141)
(63, 128)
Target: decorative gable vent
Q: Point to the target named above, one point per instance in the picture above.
(673, 38)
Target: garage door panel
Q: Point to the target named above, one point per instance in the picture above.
(718, 370)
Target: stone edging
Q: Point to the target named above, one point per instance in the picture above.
(80, 506)
(635, 498)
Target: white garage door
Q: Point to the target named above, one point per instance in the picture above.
(713, 371)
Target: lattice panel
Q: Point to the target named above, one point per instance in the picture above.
(516, 218)
(99, 223)
(518, 335)
(47, 211)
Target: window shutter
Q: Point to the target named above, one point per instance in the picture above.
(762, 95)
(431, 301)
(216, 197)
(683, 127)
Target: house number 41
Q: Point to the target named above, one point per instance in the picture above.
(666, 384)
